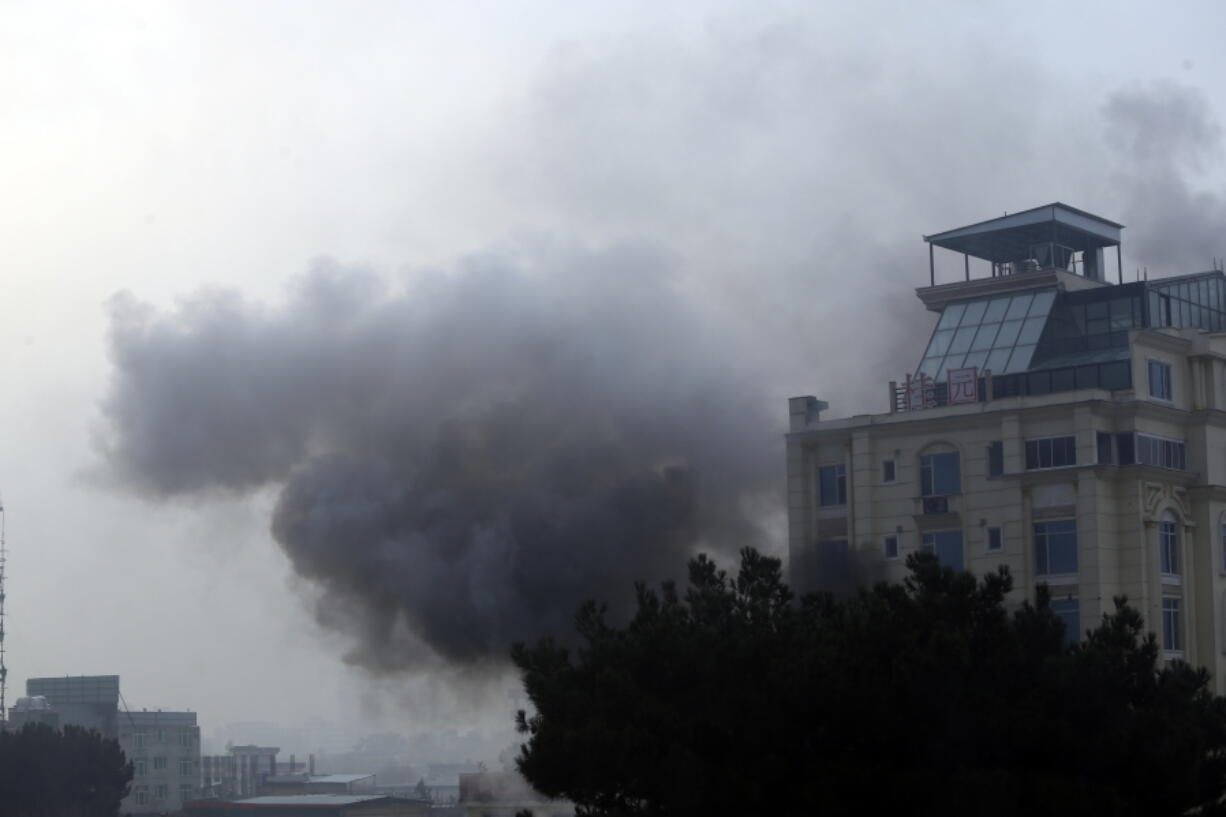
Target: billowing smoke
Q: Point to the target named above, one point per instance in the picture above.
(461, 459)
(1168, 138)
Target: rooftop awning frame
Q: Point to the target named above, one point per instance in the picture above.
(1012, 238)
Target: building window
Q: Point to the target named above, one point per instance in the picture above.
(185, 737)
(142, 766)
(940, 475)
(1222, 540)
(947, 545)
(159, 791)
(1106, 450)
(1168, 545)
(142, 795)
(887, 471)
(1159, 380)
(185, 766)
(1055, 547)
(1051, 452)
(1160, 451)
(185, 791)
(890, 545)
(161, 736)
(1069, 613)
(1172, 633)
(138, 739)
(994, 540)
(832, 480)
(159, 763)
(996, 458)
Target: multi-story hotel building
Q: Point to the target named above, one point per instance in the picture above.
(1059, 422)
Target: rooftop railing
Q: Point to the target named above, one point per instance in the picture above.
(1111, 375)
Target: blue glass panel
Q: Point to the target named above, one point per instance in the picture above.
(973, 313)
(950, 362)
(975, 359)
(985, 336)
(962, 340)
(1008, 333)
(998, 360)
(951, 315)
(940, 342)
(1020, 360)
(929, 366)
(1019, 305)
(1042, 303)
(996, 309)
(940, 475)
(1031, 329)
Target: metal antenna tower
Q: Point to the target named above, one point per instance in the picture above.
(4, 672)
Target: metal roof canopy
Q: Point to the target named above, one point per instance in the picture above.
(1012, 237)
(1009, 238)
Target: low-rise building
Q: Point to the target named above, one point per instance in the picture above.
(320, 784)
(164, 748)
(89, 701)
(315, 805)
(32, 709)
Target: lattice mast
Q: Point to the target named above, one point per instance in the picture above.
(4, 672)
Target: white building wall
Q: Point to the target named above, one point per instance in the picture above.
(164, 748)
(1117, 508)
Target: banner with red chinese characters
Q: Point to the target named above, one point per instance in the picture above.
(919, 393)
(964, 385)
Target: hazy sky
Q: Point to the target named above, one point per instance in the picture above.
(708, 206)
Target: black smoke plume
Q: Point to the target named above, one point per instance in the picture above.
(460, 461)
(1168, 139)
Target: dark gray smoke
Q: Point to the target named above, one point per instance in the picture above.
(460, 461)
(1168, 138)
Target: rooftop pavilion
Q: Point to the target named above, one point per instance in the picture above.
(1051, 237)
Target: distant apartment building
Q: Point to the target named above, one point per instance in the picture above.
(164, 748)
(239, 774)
(89, 701)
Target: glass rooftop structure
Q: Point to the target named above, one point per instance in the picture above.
(1042, 325)
(1054, 236)
(1048, 328)
(1000, 334)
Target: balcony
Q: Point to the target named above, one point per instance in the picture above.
(937, 512)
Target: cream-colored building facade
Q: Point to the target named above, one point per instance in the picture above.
(1081, 440)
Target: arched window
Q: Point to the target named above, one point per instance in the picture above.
(940, 471)
(1168, 544)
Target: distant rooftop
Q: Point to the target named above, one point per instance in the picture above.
(93, 689)
(158, 717)
(1047, 237)
(312, 799)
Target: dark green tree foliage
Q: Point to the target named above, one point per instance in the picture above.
(921, 698)
(70, 773)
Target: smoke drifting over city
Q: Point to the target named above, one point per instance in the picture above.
(462, 458)
(1166, 135)
(462, 461)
